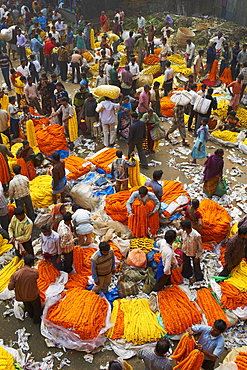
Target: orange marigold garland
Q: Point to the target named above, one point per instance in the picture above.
(47, 274)
(184, 348)
(116, 250)
(192, 362)
(176, 277)
(76, 280)
(103, 159)
(81, 260)
(140, 224)
(177, 312)
(241, 361)
(232, 297)
(214, 71)
(80, 311)
(210, 306)
(226, 77)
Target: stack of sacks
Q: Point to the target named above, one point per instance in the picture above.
(216, 222)
(41, 191)
(77, 167)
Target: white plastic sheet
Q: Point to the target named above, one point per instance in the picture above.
(68, 339)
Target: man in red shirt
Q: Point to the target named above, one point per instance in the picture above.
(49, 45)
(236, 91)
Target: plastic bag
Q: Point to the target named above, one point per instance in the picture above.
(137, 258)
(18, 310)
(149, 282)
(201, 105)
(82, 194)
(157, 133)
(127, 288)
(221, 188)
(228, 366)
(43, 219)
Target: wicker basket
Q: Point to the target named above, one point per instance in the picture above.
(183, 34)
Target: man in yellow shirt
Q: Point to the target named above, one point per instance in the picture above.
(19, 88)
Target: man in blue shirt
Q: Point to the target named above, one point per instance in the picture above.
(70, 38)
(157, 188)
(210, 342)
(35, 46)
(42, 21)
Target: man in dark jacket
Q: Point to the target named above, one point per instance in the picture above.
(137, 134)
(211, 55)
(89, 112)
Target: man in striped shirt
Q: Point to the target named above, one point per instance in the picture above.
(5, 64)
(67, 240)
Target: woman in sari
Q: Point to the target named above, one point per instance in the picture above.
(199, 149)
(104, 22)
(27, 153)
(190, 212)
(213, 172)
(45, 89)
(57, 214)
(151, 120)
(124, 118)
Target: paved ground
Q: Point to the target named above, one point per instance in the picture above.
(9, 325)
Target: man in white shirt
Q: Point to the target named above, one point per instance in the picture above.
(55, 34)
(140, 23)
(219, 42)
(32, 95)
(135, 70)
(60, 27)
(108, 67)
(192, 102)
(192, 249)
(167, 28)
(197, 65)
(169, 262)
(168, 78)
(190, 53)
(50, 245)
(24, 69)
(101, 79)
(108, 119)
(165, 51)
(67, 112)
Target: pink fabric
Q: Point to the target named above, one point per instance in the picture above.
(145, 99)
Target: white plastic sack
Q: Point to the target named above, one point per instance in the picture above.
(58, 286)
(228, 366)
(18, 310)
(7, 294)
(242, 147)
(182, 98)
(127, 350)
(82, 194)
(68, 339)
(201, 105)
(241, 312)
(43, 219)
(6, 34)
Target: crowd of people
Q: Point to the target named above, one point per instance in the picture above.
(49, 54)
